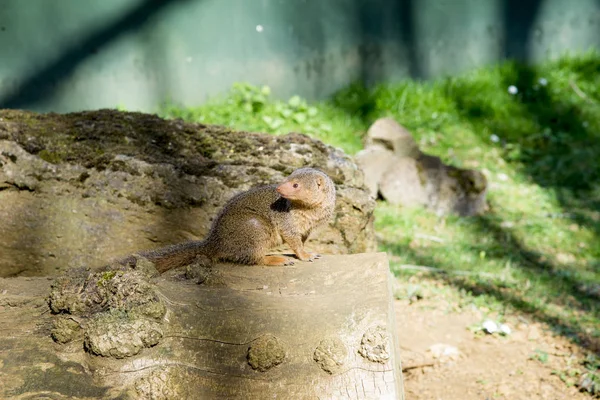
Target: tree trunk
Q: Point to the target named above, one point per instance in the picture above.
(321, 330)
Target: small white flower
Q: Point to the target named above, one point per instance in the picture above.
(259, 28)
(489, 326)
(505, 329)
(512, 89)
(543, 81)
(494, 138)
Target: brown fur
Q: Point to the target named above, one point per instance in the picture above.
(253, 222)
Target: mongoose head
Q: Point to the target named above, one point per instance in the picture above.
(309, 186)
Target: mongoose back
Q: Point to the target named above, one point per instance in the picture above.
(253, 222)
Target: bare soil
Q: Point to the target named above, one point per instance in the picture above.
(527, 364)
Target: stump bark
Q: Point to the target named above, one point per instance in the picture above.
(313, 330)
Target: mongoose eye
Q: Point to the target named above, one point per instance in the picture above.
(295, 186)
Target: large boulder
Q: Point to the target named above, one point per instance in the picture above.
(86, 188)
(402, 174)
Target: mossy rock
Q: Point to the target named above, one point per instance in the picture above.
(86, 188)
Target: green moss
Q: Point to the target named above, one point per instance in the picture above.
(152, 309)
(65, 329)
(106, 276)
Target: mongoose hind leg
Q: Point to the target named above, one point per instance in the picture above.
(245, 238)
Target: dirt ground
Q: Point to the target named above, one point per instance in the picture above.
(527, 364)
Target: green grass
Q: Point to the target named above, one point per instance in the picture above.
(249, 108)
(537, 250)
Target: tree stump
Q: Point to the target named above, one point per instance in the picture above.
(313, 330)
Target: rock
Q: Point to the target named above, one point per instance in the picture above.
(403, 175)
(401, 184)
(392, 136)
(287, 333)
(588, 382)
(590, 289)
(86, 188)
(374, 161)
(118, 337)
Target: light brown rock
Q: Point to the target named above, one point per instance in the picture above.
(375, 160)
(324, 329)
(393, 136)
(395, 168)
(86, 188)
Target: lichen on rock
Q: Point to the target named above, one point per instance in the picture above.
(82, 292)
(330, 355)
(156, 386)
(118, 310)
(65, 329)
(119, 335)
(265, 353)
(375, 344)
(69, 294)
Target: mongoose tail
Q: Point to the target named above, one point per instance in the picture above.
(253, 222)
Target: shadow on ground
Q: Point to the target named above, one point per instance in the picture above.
(563, 288)
(559, 152)
(549, 134)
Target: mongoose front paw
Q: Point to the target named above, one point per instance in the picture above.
(289, 261)
(314, 256)
(277, 260)
(306, 256)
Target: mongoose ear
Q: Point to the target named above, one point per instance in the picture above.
(319, 181)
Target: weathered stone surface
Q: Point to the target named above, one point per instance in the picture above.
(391, 135)
(116, 336)
(401, 184)
(323, 329)
(115, 312)
(85, 188)
(331, 354)
(375, 160)
(428, 182)
(396, 168)
(265, 353)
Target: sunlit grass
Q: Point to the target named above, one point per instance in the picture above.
(330, 124)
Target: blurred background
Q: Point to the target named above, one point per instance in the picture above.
(67, 55)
